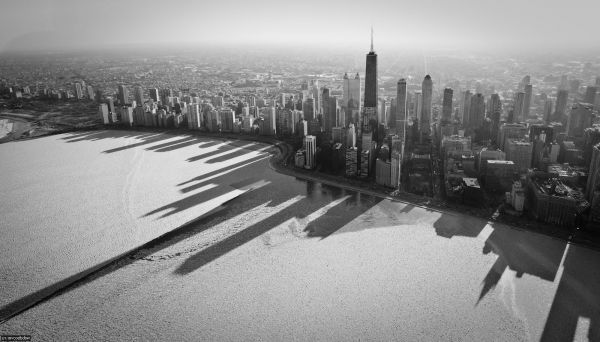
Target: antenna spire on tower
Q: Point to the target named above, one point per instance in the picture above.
(372, 38)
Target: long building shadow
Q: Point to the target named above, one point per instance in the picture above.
(318, 197)
(99, 135)
(450, 225)
(108, 134)
(171, 143)
(149, 140)
(341, 214)
(190, 201)
(225, 147)
(522, 252)
(243, 150)
(577, 297)
(102, 269)
(300, 210)
(244, 201)
(210, 143)
(177, 146)
(205, 178)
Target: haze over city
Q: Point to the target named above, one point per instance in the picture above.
(311, 171)
(465, 24)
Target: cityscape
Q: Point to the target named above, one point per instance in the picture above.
(270, 192)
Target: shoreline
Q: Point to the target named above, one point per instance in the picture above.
(278, 162)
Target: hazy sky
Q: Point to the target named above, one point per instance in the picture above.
(470, 24)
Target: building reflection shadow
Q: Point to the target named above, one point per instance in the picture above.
(577, 298)
(522, 252)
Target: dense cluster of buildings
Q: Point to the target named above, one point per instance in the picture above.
(545, 163)
(535, 147)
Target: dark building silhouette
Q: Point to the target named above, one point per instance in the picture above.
(401, 109)
(425, 119)
(371, 87)
(447, 106)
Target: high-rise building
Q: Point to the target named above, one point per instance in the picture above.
(103, 111)
(527, 100)
(494, 115)
(316, 94)
(547, 111)
(90, 92)
(447, 106)
(519, 107)
(579, 119)
(351, 161)
(519, 152)
(401, 108)
(524, 82)
(268, 115)
(153, 93)
(560, 109)
(425, 121)
(593, 181)
(310, 141)
(127, 115)
(383, 172)
(77, 92)
(369, 117)
(371, 85)
(466, 107)
(138, 95)
(476, 113)
(194, 116)
(417, 103)
(351, 92)
(351, 136)
(511, 131)
(308, 109)
(123, 95)
(590, 95)
(591, 137)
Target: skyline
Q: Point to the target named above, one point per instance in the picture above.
(465, 24)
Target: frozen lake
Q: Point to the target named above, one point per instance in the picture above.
(267, 256)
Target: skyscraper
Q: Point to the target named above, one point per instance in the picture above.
(548, 111)
(518, 107)
(153, 93)
(466, 107)
(351, 93)
(401, 110)
(476, 112)
(325, 108)
(424, 123)
(369, 118)
(138, 95)
(310, 141)
(308, 109)
(447, 106)
(527, 100)
(495, 112)
(590, 95)
(316, 95)
(561, 105)
(77, 91)
(580, 118)
(524, 82)
(593, 181)
(123, 95)
(371, 87)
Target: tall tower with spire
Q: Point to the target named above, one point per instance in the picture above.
(371, 77)
(371, 90)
